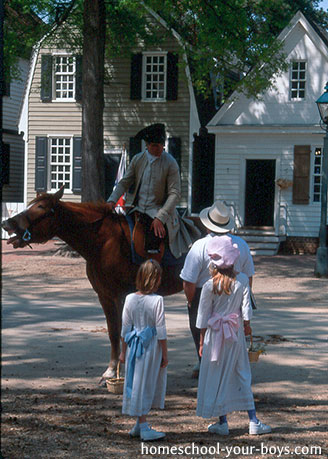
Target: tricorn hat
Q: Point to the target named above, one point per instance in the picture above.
(155, 133)
(217, 218)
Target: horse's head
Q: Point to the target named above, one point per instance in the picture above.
(36, 223)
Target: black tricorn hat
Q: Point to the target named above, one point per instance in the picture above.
(155, 133)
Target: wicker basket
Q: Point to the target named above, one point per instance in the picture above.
(115, 385)
(253, 355)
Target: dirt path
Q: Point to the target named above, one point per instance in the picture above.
(54, 348)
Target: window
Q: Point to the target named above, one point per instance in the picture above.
(64, 77)
(298, 80)
(154, 77)
(61, 78)
(317, 174)
(60, 163)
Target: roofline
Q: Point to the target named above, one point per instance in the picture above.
(187, 69)
(283, 129)
(297, 18)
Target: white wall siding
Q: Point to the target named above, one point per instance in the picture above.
(14, 190)
(302, 220)
(12, 103)
(46, 119)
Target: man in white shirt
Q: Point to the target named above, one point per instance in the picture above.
(218, 221)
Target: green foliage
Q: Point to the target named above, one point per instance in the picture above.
(22, 28)
(221, 36)
(235, 36)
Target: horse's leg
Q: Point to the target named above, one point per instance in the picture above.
(112, 309)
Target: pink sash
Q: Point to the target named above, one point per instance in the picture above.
(225, 328)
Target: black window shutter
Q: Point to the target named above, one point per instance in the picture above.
(77, 164)
(172, 77)
(134, 147)
(136, 77)
(46, 78)
(112, 162)
(5, 163)
(174, 144)
(41, 161)
(78, 78)
(301, 175)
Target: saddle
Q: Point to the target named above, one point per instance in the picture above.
(146, 244)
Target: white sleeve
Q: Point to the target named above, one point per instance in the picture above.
(205, 307)
(192, 266)
(247, 264)
(127, 322)
(160, 318)
(246, 306)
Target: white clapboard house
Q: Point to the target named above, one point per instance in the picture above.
(268, 152)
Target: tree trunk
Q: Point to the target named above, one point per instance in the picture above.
(93, 169)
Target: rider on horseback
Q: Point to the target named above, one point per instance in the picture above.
(152, 187)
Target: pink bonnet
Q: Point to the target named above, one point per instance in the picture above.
(222, 251)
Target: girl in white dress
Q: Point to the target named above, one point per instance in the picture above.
(224, 314)
(144, 350)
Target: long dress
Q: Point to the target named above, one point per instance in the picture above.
(149, 380)
(224, 383)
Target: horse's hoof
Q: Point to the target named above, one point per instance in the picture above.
(109, 373)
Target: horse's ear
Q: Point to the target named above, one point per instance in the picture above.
(59, 194)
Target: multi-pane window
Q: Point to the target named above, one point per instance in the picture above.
(60, 163)
(64, 75)
(298, 80)
(154, 77)
(317, 174)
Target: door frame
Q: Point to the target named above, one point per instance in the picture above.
(242, 177)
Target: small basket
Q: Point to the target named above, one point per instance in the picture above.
(253, 355)
(115, 385)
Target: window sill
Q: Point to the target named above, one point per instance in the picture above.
(154, 101)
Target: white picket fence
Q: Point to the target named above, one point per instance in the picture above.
(9, 209)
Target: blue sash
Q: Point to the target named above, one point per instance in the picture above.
(137, 342)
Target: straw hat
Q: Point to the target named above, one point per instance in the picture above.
(217, 218)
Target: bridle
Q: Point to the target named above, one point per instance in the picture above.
(26, 235)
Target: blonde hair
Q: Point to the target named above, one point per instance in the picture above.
(149, 276)
(223, 279)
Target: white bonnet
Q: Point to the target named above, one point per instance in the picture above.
(222, 251)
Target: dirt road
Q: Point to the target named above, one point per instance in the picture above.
(55, 347)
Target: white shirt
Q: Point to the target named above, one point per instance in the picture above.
(146, 197)
(197, 262)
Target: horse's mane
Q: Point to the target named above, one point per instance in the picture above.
(81, 208)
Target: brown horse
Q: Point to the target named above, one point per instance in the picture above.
(102, 239)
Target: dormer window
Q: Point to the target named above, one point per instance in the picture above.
(297, 80)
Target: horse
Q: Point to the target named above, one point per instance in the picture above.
(103, 239)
